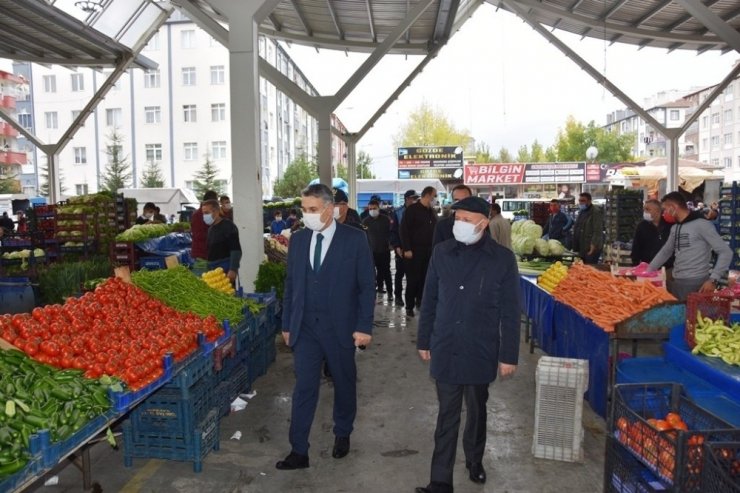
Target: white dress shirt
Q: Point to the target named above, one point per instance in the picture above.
(328, 235)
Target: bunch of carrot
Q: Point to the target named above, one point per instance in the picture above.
(605, 299)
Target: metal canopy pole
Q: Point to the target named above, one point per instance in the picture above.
(245, 137)
(204, 21)
(20, 128)
(351, 141)
(713, 22)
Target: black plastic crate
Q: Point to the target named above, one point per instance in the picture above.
(192, 445)
(721, 471)
(675, 456)
(623, 473)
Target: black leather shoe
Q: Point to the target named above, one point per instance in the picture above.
(341, 447)
(435, 487)
(399, 302)
(410, 312)
(477, 473)
(293, 461)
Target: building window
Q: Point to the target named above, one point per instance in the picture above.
(75, 114)
(153, 44)
(191, 151)
(728, 162)
(217, 75)
(704, 144)
(187, 39)
(715, 161)
(113, 117)
(218, 112)
(152, 114)
(50, 83)
(715, 141)
(78, 83)
(151, 78)
(728, 116)
(153, 152)
(728, 139)
(675, 115)
(52, 120)
(189, 114)
(715, 117)
(190, 184)
(26, 120)
(80, 155)
(218, 149)
(81, 189)
(188, 76)
(705, 121)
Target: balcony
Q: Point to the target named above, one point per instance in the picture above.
(7, 130)
(7, 102)
(11, 157)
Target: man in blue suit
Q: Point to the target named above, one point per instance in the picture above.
(328, 307)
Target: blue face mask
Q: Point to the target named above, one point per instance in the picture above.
(208, 219)
(582, 207)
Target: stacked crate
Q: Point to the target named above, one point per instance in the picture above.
(729, 217)
(622, 214)
(178, 421)
(75, 234)
(540, 212)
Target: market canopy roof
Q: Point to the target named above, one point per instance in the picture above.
(361, 26)
(49, 33)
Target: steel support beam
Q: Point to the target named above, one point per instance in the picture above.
(371, 21)
(21, 129)
(352, 169)
(716, 92)
(204, 21)
(713, 22)
(52, 168)
(335, 18)
(246, 169)
(287, 86)
(672, 180)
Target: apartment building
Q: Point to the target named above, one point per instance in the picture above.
(176, 115)
(12, 152)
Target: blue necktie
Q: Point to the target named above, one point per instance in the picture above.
(317, 253)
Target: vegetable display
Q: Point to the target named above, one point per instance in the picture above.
(181, 290)
(34, 396)
(216, 279)
(717, 340)
(116, 330)
(526, 239)
(550, 279)
(143, 232)
(605, 299)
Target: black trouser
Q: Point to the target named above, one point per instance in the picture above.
(416, 274)
(450, 398)
(400, 272)
(383, 271)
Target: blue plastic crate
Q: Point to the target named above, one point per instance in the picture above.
(221, 399)
(29, 471)
(172, 410)
(257, 360)
(193, 445)
(239, 383)
(123, 401)
(209, 347)
(246, 332)
(197, 367)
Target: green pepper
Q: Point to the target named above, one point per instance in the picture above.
(12, 467)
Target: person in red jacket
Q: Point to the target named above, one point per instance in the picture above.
(199, 229)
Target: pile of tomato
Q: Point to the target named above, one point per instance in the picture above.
(116, 330)
(655, 441)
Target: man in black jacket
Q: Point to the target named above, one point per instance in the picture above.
(378, 228)
(408, 198)
(650, 235)
(443, 229)
(558, 224)
(469, 332)
(417, 232)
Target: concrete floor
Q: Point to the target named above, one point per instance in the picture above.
(391, 444)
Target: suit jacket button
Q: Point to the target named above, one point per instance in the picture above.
(462, 287)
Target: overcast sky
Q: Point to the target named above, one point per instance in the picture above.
(504, 83)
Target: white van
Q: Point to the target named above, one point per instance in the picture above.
(510, 206)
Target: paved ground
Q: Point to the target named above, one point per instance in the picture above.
(391, 445)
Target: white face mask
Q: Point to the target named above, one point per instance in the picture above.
(465, 232)
(374, 213)
(208, 219)
(647, 216)
(312, 220)
(336, 213)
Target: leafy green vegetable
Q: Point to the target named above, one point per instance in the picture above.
(143, 232)
(271, 275)
(59, 281)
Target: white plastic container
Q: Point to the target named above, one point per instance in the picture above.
(558, 429)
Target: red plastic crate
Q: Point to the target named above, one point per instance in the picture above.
(712, 305)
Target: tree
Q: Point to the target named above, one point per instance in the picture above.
(537, 152)
(44, 181)
(427, 126)
(483, 153)
(206, 178)
(572, 142)
(152, 176)
(523, 155)
(9, 184)
(118, 172)
(296, 177)
(504, 156)
(362, 167)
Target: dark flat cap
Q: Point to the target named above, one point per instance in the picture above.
(340, 196)
(473, 204)
(410, 193)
